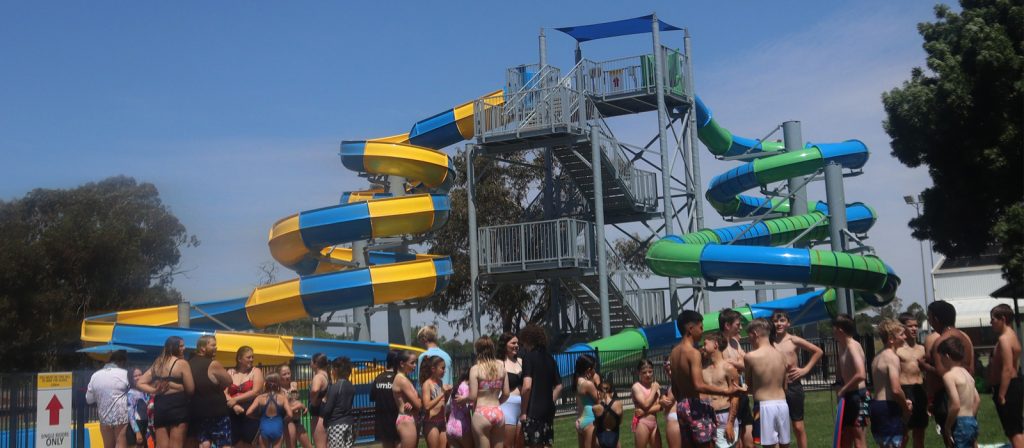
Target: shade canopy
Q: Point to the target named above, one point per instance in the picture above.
(638, 25)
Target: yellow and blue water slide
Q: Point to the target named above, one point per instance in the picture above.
(306, 243)
(747, 251)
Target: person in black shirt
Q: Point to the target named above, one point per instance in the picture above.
(210, 417)
(540, 389)
(337, 408)
(384, 403)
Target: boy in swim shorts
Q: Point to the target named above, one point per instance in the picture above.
(890, 405)
(765, 368)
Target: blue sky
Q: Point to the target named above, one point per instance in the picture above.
(235, 109)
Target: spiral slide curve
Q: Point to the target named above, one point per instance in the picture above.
(304, 242)
(743, 251)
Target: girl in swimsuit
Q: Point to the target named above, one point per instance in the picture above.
(435, 394)
(508, 351)
(646, 394)
(170, 383)
(246, 385)
(459, 424)
(272, 410)
(668, 403)
(608, 415)
(295, 431)
(488, 388)
(321, 380)
(407, 400)
(586, 396)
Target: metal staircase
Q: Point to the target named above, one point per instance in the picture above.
(630, 194)
(584, 291)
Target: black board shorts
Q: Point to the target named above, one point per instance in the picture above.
(919, 400)
(743, 415)
(170, 410)
(1011, 414)
(795, 400)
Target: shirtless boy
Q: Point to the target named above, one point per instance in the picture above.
(961, 414)
(889, 404)
(729, 321)
(852, 382)
(1005, 377)
(719, 373)
(942, 317)
(789, 344)
(696, 416)
(766, 369)
(912, 381)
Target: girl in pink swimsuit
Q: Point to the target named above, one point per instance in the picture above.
(459, 428)
(407, 400)
(487, 389)
(646, 395)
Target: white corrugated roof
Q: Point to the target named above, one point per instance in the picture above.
(973, 312)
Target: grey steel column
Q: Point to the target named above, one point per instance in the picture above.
(794, 142)
(692, 159)
(184, 314)
(543, 44)
(399, 319)
(474, 245)
(602, 256)
(792, 135)
(837, 222)
(359, 315)
(666, 162)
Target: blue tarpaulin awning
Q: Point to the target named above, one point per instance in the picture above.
(638, 25)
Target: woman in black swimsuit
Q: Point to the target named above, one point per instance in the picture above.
(317, 389)
(170, 383)
(608, 416)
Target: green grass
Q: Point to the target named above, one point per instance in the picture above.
(820, 415)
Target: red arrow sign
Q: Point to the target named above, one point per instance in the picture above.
(54, 407)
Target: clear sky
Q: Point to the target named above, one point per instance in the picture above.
(235, 109)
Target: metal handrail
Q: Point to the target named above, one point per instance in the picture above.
(557, 243)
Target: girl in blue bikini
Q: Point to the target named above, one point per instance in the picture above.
(586, 397)
(272, 409)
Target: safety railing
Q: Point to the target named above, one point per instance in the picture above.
(541, 245)
(629, 75)
(552, 109)
(642, 185)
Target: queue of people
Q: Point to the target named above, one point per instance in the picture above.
(719, 395)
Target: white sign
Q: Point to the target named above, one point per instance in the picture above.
(53, 410)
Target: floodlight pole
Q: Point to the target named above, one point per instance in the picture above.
(542, 43)
(666, 162)
(474, 244)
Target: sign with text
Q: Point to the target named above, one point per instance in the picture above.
(53, 409)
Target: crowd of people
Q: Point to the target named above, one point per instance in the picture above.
(719, 395)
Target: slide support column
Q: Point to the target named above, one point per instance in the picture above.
(792, 135)
(359, 314)
(399, 318)
(692, 159)
(602, 256)
(184, 314)
(666, 162)
(837, 223)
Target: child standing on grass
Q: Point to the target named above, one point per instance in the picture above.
(435, 394)
(271, 409)
(962, 420)
(646, 395)
(608, 416)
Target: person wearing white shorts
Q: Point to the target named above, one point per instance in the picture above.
(721, 441)
(775, 423)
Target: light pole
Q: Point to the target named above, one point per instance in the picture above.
(917, 202)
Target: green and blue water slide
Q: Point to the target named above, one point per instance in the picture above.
(747, 251)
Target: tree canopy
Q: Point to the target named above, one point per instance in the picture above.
(962, 118)
(502, 194)
(66, 254)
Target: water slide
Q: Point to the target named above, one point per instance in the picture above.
(746, 251)
(305, 243)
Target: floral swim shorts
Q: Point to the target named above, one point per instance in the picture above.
(697, 420)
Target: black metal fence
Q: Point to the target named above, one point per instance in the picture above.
(18, 390)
